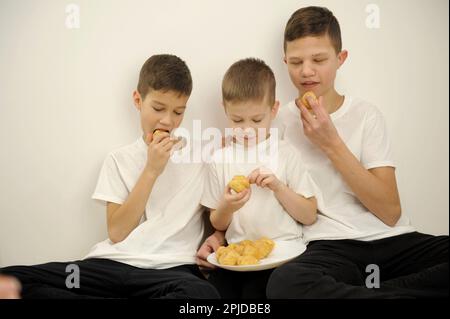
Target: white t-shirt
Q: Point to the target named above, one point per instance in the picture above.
(262, 215)
(171, 230)
(342, 216)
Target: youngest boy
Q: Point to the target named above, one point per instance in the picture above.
(280, 197)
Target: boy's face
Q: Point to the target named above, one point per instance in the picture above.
(163, 110)
(250, 116)
(312, 64)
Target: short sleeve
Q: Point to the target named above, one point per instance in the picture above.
(376, 148)
(110, 185)
(298, 177)
(212, 191)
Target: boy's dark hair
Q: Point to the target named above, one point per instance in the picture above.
(248, 80)
(313, 21)
(164, 72)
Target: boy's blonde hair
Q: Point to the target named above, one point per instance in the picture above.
(313, 21)
(249, 80)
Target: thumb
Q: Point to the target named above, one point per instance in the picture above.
(148, 138)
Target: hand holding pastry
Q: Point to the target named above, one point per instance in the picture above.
(158, 153)
(317, 125)
(233, 201)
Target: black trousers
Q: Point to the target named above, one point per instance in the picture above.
(412, 265)
(240, 285)
(103, 278)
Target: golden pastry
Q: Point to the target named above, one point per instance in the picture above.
(239, 183)
(305, 100)
(156, 132)
(229, 258)
(247, 260)
(246, 252)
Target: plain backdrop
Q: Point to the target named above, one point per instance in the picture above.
(65, 98)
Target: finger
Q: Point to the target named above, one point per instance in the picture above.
(253, 175)
(235, 197)
(259, 179)
(307, 128)
(228, 190)
(168, 146)
(239, 196)
(246, 197)
(156, 139)
(266, 180)
(204, 264)
(318, 108)
(213, 243)
(148, 138)
(307, 114)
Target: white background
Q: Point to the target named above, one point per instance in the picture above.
(65, 98)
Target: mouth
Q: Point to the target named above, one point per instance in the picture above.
(156, 131)
(309, 84)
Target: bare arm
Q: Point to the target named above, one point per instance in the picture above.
(122, 219)
(376, 188)
(300, 208)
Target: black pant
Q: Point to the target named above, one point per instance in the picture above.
(240, 285)
(103, 278)
(412, 265)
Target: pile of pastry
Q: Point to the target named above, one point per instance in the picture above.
(246, 252)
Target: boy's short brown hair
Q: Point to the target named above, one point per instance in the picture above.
(164, 72)
(249, 80)
(313, 21)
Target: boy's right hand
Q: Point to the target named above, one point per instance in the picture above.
(211, 244)
(234, 201)
(158, 152)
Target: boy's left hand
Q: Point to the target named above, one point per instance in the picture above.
(318, 127)
(262, 177)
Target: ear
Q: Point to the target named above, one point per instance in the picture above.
(275, 109)
(224, 107)
(137, 100)
(285, 60)
(342, 56)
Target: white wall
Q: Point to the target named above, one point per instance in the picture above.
(65, 98)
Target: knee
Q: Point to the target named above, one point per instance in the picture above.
(290, 281)
(199, 289)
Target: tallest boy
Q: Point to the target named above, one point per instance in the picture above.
(345, 144)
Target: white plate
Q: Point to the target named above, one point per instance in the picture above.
(281, 253)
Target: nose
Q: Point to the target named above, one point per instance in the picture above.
(166, 119)
(307, 70)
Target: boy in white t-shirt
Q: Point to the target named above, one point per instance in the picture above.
(360, 230)
(153, 209)
(281, 194)
(361, 235)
